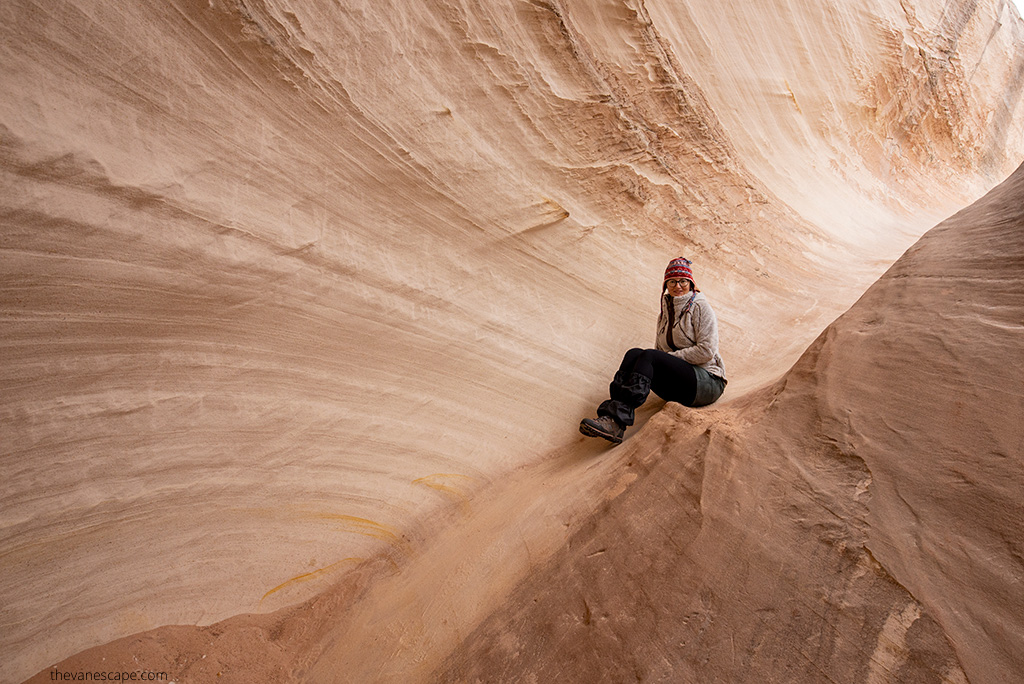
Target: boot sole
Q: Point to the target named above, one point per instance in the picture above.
(594, 432)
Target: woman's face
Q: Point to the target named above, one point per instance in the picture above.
(677, 287)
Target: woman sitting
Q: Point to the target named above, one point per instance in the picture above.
(684, 366)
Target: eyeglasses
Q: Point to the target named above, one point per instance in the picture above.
(679, 283)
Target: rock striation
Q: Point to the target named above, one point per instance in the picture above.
(858, 521)
(286, 286)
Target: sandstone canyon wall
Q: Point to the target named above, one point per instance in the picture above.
(858, 521)
(281, 281)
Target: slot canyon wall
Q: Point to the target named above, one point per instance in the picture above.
(857, 521)
(285, 284)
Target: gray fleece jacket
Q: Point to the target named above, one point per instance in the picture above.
(695, 333)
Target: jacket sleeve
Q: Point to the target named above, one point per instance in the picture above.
(705, 327)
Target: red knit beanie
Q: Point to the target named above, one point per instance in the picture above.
(680, 268)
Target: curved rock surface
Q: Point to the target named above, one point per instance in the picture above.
(285, 286)
(858, 521)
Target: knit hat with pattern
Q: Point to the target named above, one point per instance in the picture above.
(680, 268)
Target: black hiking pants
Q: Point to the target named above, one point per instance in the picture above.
(671, 378)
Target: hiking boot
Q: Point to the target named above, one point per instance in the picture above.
(605, 427)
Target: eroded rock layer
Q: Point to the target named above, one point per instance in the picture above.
(282, 284)
(859, 521)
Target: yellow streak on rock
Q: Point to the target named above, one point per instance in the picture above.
(369, 528)
(305, 577)
(454, 492)
(351, 523)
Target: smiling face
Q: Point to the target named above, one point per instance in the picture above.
(677, 287)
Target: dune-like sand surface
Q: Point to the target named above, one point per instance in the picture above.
(302, 302)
